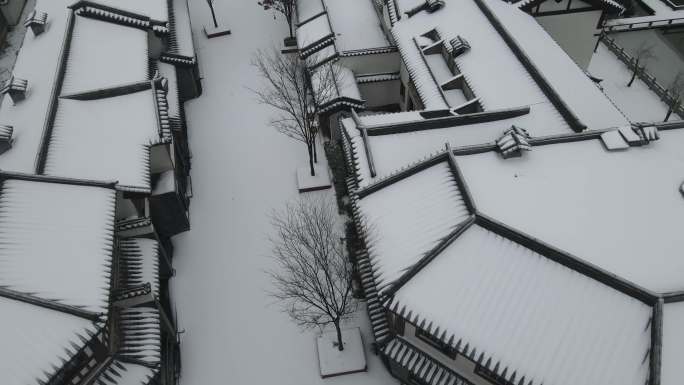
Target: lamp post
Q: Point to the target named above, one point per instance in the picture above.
(215, 30)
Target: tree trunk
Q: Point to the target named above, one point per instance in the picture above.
(634, 74)
(289, 23)
(213, 15)
(315, 152)
(311, 159)
(669, 112)
(340, 344)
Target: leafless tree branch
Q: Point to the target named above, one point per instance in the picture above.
(313, 278)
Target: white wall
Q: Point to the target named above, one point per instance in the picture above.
(379, 94)
(574, 32)
(373, 64)
(668, 59)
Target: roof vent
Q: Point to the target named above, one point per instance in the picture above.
(458, 46)
(36, 21)
(434, 5)
(16, 88)
(514, 141)
(5, 138)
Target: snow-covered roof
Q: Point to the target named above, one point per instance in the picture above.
(673, 343)
(519, 310)
(621, 210)
(125, 373)
(168, 71)
(336, 87)
(72, 45)
(610, 5)
(314, 35)
(512, 61)
(552, 261)
(93, 65)
(49, 228)
(307, 9)
(355, 24)
(399, 139)
(37, 62)
(338, 26)
(156, 10)
(181, 42)
(139, 259)
(106, 139)
(36, 341)
(409, 218)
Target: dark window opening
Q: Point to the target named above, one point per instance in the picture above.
(437, 343)
(491, 376)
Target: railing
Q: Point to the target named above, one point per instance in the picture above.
(644, 76)
(641, 24)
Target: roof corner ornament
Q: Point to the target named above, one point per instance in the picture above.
(647, 133)
(16, 88)
(6, 139)
(514, 141)
(458, 46)
(37, 20)
(434, 5)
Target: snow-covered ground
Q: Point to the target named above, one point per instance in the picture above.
(242, 170)
(638, 102)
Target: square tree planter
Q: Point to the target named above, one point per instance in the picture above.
(211, 32)
(333, 362)
(306, 182)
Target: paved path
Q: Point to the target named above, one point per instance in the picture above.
(242, 169)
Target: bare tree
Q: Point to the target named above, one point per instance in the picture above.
(313, 280)
(676, 92)
(295, 94)
(285, 7)
(213, 14)
(642, 54)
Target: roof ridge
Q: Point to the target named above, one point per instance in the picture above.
(56, 179)
(568, 260)
(110, 92)
(446, 121)
(48, 304)
(430, 255)
(403, 173)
